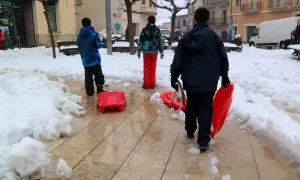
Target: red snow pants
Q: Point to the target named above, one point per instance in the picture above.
(150, 61)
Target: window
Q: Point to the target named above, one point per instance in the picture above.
(237, 2)
(224, 16)
(143, 2)
(51, 10)
(184, 22)
(213, 17)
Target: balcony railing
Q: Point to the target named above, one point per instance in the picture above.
(219, 21)
(210, 4)
(276, 5)
(253, 7)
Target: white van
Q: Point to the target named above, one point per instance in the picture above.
(275, 33)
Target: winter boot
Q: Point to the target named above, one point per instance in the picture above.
(203, 147)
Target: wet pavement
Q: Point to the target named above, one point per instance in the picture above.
(139, 144)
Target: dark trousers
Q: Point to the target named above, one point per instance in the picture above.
(95, 71)
(199, 107)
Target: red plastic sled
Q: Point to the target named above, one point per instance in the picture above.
(221, 106)
(111, 100)
(171, 99)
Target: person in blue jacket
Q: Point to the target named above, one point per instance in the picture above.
(88, 42)
(200, 58)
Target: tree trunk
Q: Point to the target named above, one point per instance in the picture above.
(130, 28)
(173, 19)
(50, 31)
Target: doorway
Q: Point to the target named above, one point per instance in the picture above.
(249, 32)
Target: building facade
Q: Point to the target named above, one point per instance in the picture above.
(25, 25)
(246, 15)
(219, 16)
(191, 11)
(96, 11)
(182, 22)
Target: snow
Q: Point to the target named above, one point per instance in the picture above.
(226, 177)
(63, 171)
(194, 150)
(212, 165)
(266, 98)
(295, 46)
(27, 158)
(32, 106)
(68, 47)
(122, 44)
(226, 44)
(174, 44)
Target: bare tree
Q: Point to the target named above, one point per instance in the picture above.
(129, 4)
(171, 6)
(44, 3)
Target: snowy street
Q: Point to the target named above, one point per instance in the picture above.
(43, 100)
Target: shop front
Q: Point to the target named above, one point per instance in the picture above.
(16, 21)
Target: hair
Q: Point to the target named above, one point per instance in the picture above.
(86, 22)
(1, 30)
(202, 15)
(151, 19)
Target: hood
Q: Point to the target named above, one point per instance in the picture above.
(197, 44)
(86, 32)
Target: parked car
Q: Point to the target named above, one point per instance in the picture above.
(167, 34)
(275, 33)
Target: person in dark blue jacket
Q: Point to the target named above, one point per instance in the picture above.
(200, 58)
(88, 42)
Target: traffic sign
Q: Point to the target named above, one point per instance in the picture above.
(117, 26)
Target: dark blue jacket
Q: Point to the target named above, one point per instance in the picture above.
(150, 40)
(200, 58)
(88, 43)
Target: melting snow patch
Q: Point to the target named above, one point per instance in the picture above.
(63, 171)
(194, 150)
(212, 165)
(226, 177)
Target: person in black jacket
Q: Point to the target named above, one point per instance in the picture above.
(200, 58)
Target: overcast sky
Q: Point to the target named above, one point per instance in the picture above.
(164, 15)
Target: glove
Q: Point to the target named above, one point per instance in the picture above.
(173, 83)
(162, 55)
(225, 81)
(139, 55)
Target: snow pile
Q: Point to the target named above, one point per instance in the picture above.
(267, 90)
(63, 171)
(122, 44)
(32, 106)
(27, 158)
(294, 46)
(156, 100)
(230, 45)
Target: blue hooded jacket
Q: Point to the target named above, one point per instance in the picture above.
(88, 43)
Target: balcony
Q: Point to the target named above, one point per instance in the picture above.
(211, 4)
(281, 5)
(219, 21)
(253, 7)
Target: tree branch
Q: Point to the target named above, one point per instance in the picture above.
(162, 7)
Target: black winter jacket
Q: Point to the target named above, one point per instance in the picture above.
(200, 58)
